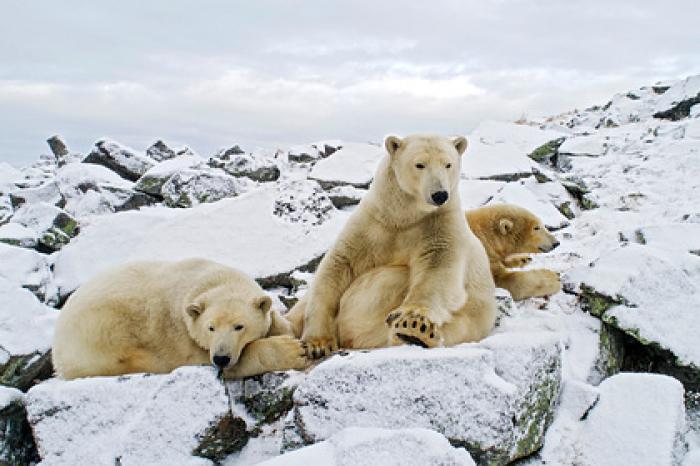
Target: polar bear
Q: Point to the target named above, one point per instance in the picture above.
(510, 234)
(156, 316)
(410, 222)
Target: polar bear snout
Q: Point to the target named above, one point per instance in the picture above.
(221, 361)
(439, 197)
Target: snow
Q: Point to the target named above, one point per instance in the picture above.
(518, 193)
(23, 266)
(9, 395)
(635, 419)
(497, 149)
(377, 447)
(595, 145)
(143, 418)
(8, 175)
(353, 164)
(682, 90)
(26, 325)
(659, 288)
(231, 231)
(492, 381)
(16, 233)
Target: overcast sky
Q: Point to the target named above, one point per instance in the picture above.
(214, 73)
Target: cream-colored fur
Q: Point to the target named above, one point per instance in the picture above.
(401, 238)
(156, 316)
(510, 234)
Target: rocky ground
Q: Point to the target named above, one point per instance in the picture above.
(606, 372)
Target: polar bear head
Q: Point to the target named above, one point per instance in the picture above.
(223, 323)
(427, 167)
(511, 229)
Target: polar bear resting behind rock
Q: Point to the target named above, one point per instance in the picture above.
(156, 316)
(510, 234)
(409, 236)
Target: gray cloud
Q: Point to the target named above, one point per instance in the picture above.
(214, 73)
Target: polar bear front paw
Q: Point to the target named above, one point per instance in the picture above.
(410, 325)
(515, 261)
(320, 347)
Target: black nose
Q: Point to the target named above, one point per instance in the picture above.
(221, 361)
(440, 197)
(555, 244)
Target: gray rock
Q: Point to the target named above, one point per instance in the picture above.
(313, 152)
(345, 196)
(258, 169)
(55, 227)
(188, 188)
(120, 159)
(266, 397)
(159, 151)
(16, 443)
(303, 202)
(495, 398)
(135, 419)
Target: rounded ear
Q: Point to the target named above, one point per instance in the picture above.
(460, 144)
(194, 310)
(263, 303)
(392, 144)
(505, 226)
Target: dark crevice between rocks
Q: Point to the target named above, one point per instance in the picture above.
(680, 110)
(17, 446)
(284, 279)
(24, 371)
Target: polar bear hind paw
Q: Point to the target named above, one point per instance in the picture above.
(411, 326)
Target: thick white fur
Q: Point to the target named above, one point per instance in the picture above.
(156, 316)
(402, 256)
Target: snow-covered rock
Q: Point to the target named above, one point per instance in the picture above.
(495, 398)
(160, 151)
(8, 176)
(354, 164)
(16, 443)
(256, 167)
(47, 192)
(303, 202)
(54, 227)
(122, 160)
(177, 418)
(240, 232)
(18, 235)
(645, 292)
(190, 187)
(26, 330)
(355, 446)
(677, 101)
(93, 189)
(153, 180)
(313, 152)
(28, 269)
(633, 419)
(595, 145)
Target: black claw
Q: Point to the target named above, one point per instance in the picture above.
(423, 328)
(411, 340)
(405, 324)
(432, 335)
(415, 324)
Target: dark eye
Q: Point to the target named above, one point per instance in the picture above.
(238, 328)
(211, 328)
(537, 228)
(449, 165)
(420, 166)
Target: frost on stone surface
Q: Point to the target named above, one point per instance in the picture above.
(357, 446)
(496, 398)
(54, 226)
(188, 188)
(143, 419)
(123, 160)
(303, 202)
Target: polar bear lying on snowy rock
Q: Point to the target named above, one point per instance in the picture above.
(156, 316)
(407, 249)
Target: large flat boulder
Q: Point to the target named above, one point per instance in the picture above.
(177, 418)
(494, 398)
(122, 160)
(354, 164)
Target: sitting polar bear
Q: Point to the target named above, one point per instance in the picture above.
(510, 234)
(406, 249)
(156, 316)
